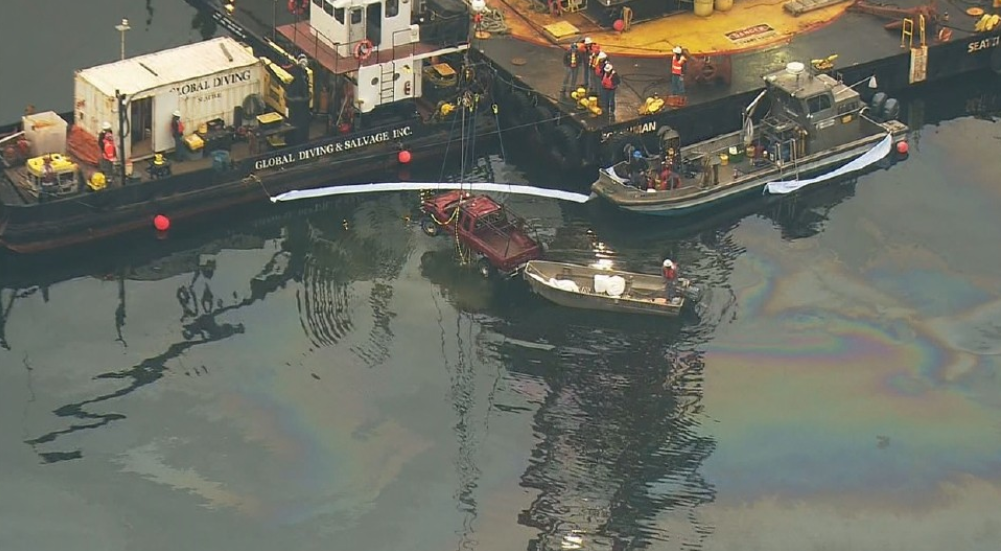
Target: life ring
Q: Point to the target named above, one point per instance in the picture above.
(364, 49)
(298, 7)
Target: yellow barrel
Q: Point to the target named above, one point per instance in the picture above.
(703, 8)
(724, 159)
(724, 5)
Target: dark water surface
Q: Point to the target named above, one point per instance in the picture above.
(322, 376)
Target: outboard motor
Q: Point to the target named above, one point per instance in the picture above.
(693, 293)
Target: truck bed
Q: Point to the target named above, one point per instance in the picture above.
(504, 246)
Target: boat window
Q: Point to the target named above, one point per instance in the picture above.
(328, 7)
(318, 3)
(355, 16)
(339, 15)
(392, 8)
(819, 103)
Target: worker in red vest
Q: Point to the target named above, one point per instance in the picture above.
(177, 131)
(572, 60)
(670, 273)
(678, 62)
(105, 130)
(108, 155)
(609, 82)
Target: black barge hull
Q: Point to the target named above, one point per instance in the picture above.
(87, 217)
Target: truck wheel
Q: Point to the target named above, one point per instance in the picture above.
(429, 227)
(485, 268)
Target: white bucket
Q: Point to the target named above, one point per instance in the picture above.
(600, 283)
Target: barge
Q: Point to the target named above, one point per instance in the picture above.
(198, 128)
(728, 44)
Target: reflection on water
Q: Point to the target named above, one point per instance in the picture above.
(311, 374)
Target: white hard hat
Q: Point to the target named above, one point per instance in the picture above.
(177, 113)
(587, 40)
(668, 263)
(608, 67)
(106, 125)
(677, 49)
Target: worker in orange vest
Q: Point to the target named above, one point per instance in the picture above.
(108, 155)
(609, 82)
(105, 130)
(678, 62)
(597, 69)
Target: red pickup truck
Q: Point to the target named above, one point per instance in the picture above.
(482, 227)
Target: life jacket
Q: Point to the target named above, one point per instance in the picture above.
(109, 149)
(607, 81)
(597, 63)
(177, 127)
(678, 65)
(572, 58)
(670, 274)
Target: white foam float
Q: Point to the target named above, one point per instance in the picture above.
(296, 195)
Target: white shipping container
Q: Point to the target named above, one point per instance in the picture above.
(204, 81)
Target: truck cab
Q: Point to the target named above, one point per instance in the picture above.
(483, 228)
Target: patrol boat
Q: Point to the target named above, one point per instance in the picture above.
(813, 126)
(363, 88)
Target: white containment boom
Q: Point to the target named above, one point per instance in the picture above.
(420, 186)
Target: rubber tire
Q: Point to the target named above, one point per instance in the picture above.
(891, 109)
(485, 268)
(566, 148)
(518, 111)
(430, 227)
(877, 103)
(544, 123)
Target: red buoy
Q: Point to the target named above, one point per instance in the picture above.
(403, 156)
(619, 25)
(902, 148)
(161, 222)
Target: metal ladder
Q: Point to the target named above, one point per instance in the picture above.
(387, 86)
(793, 157)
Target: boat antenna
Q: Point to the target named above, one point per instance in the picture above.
(122, 28)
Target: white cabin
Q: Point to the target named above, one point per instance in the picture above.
(343, 24)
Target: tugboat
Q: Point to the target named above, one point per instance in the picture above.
(213, 124)
(814, 125)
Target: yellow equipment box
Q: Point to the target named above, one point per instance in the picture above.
(194, 141)
(60, 164)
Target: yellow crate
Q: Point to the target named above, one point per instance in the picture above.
(194, 141)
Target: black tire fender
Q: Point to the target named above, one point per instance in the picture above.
(566, 147)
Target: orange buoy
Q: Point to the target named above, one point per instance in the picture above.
(161, 222)
(403, 156)
(619, 25)
(902, 148)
